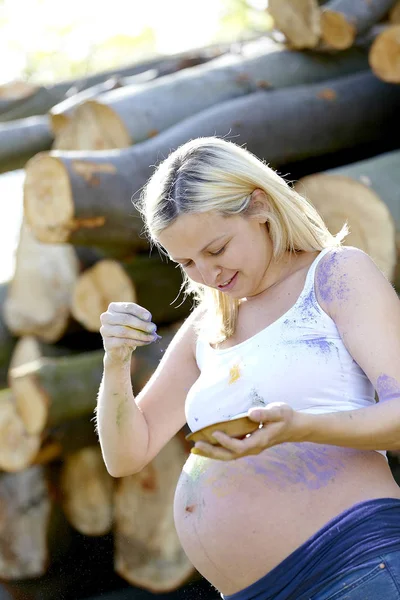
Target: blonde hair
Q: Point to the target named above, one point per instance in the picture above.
(213, 174)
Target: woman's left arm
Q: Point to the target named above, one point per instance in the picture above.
(366, 311)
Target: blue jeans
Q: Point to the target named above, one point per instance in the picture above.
(376, 579)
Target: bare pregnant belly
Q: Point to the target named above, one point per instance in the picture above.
(237, 520)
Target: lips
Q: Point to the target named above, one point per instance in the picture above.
(227, 283)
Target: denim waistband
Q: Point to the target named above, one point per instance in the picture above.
(361, 532)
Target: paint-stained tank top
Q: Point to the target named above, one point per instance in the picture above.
(299, 359)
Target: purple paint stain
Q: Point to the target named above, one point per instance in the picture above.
(312, 467)
(307, 307)
(388, 388)
(321, 343)
(331, 284)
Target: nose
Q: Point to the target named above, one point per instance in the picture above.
(209, 273)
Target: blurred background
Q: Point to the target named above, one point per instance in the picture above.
(92, 97)
(45, 42)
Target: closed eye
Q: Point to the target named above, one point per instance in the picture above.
(212, 254)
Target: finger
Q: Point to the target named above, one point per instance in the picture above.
(133, 321)
(256, 441)
(210, 451)
(127, 332)
(131, 309)
(265, 414)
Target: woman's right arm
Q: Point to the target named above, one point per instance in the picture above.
(132, 430)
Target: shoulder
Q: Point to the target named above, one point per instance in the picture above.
(345, 275)
(189, 330)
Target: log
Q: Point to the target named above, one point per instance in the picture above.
(280, 126)
(366, 194)
(22, 139)
(28, 349)
(18, 448)
(148, 281)
(39, 295)
(13, 92)
(62, 116)
(32, 528)
(343, 20)
(133, 114)
(298, 20)
(7, 340)
(39, 100)
(148, 553)
(87, 492)
(52, 390)
(384, 55)
(86, 570)
(147, 358)
(394, 14)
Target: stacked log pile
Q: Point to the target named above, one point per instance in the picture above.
(316, 98)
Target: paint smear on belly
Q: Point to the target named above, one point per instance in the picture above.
(292, 464)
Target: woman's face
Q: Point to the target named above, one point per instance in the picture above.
(213, 249)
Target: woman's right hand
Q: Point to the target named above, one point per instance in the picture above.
(124, 326)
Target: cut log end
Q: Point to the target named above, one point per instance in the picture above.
(88, 507)
(384, 56)
(31, 401)
(18, 448)
(48, 204)
(147, 549)
(58, 122)
(298, 20)
(44, 274)
(339, 199)
(17, 90)
(103, 283)
(24, 542)
(336, 31)
(93, 126)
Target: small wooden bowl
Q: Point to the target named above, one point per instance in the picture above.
(238, 427)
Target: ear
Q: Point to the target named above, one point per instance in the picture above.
(259, 204)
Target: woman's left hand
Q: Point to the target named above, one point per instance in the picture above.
(280, 423)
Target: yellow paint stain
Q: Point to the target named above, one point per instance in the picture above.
(234, 374)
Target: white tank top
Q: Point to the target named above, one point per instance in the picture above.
(299, 359)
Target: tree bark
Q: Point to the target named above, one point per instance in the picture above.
(32, 527)
(20, 140)
(53, 390)
(343, 20)
(384, 56)
(39, 100)
(147, 549)
(133, 114)
(29, 349)
(148, 281)
(280, 126)
(394, 14)
(39, 295)
(366, 194)
(87, 491)
(298, 20)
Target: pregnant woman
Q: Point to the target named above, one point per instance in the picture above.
(293, 329)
